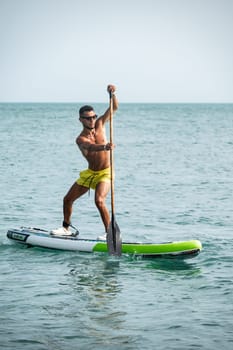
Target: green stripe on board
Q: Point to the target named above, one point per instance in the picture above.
(143, 248)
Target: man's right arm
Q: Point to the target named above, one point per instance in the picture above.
(87, 146)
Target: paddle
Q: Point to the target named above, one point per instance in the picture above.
(113, 232)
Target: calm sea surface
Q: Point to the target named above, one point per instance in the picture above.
(174, 167)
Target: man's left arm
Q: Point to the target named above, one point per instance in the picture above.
(106, 116)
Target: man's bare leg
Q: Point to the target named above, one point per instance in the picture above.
(74, 193)
(101, 192)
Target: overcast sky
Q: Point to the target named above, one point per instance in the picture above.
(153, 50)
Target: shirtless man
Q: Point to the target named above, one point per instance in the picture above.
(92, 142)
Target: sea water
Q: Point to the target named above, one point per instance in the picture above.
(174, 166)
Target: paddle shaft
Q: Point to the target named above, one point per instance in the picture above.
(111, 156)
(113, 236)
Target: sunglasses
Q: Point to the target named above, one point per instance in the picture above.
(89, 118)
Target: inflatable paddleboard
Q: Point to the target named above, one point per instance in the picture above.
(35, 237)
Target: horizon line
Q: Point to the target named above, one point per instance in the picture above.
(83, 102)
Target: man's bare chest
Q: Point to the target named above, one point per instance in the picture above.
(98, 137)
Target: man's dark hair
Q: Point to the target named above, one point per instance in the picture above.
(85, 109)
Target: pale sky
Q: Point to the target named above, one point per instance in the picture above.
(152, 50)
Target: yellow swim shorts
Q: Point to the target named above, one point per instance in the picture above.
(89, 178)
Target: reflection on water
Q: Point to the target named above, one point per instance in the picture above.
(174, 265)
(96, 277)
(95, 282)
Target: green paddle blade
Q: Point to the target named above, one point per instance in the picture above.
(114, 238)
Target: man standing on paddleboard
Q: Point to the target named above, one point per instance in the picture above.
(93, 144)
